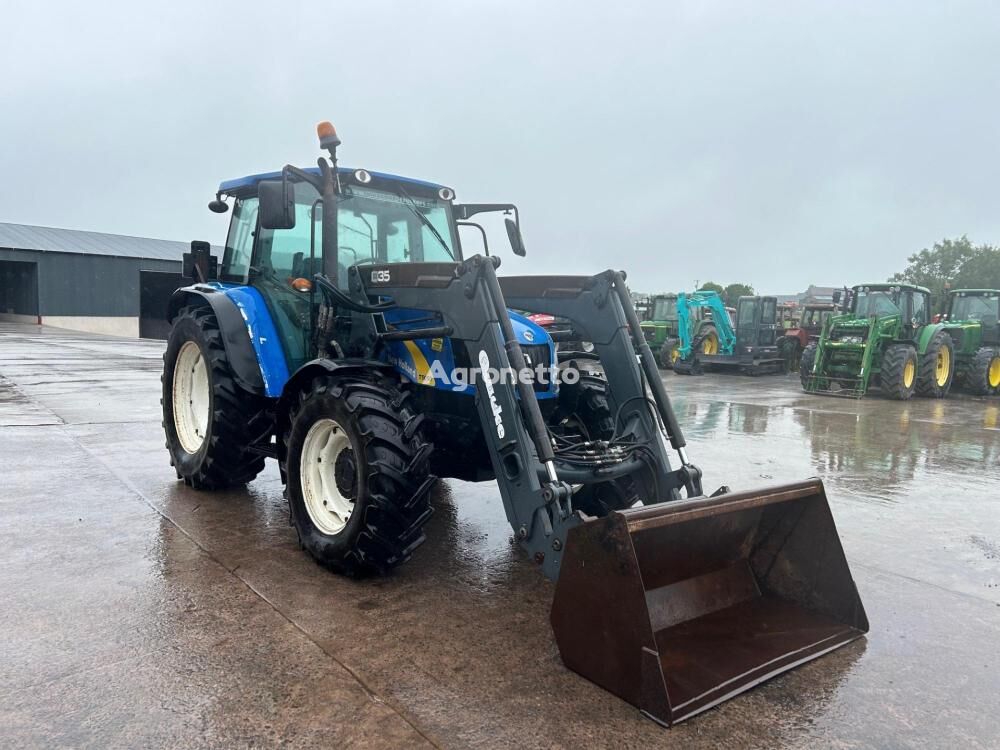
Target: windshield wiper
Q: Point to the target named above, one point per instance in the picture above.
(423, 219)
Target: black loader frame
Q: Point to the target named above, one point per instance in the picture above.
(535, 483)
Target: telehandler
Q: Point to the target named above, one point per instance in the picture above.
(348, 337)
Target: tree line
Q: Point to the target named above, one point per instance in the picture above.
(952, 264)
(949, 264)
(730, 294)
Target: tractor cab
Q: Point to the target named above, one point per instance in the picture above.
(878, 301)
(978, 306)
(276, 258)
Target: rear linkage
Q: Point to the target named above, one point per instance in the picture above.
(537, 486)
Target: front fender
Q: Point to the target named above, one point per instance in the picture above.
(301, 378)
(239, 349)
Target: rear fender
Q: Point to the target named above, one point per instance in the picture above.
(926, 334)
(239, 349)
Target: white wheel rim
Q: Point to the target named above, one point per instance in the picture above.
(328, 507)
(191, 397)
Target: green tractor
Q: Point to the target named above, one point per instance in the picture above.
(975, 314)
(886, 337)
(662, 330)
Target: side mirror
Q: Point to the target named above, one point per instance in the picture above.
(514, 235)
(277, 204)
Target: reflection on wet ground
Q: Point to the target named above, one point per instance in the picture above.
(141, 613)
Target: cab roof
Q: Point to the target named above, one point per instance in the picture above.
(244, 185)
(893, 284)
(975, 291)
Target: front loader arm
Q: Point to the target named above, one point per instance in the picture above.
(472, 305)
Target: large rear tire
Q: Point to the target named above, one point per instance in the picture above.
(983, 375)
(209, 421)
(358, 485)
(937, 367)
(899, 371)
(707, 340)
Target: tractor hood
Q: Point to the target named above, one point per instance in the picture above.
(527, 332)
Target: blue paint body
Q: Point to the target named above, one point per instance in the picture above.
(274, 367)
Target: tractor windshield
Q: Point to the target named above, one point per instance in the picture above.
(876, 303)
(815, 318)
(975, 308)
(373, 226)
(665, 309)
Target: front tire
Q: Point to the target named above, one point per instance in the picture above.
(209, 421)
(983, 375)
(669, 354)
(899, 371)
(937, 367)
(357, 471)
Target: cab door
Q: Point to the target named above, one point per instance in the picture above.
(768, 327)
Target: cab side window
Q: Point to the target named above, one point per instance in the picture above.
(239, 242)
(919, 313)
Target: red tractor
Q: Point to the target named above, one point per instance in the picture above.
(797, 337)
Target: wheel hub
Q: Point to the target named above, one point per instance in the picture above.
(328, 474)
(943, 367)
(191, 397)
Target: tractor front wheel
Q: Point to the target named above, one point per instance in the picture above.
(357, 470)
(983, 375)
(209, 421)
(899, 371)
(937, 367)
(669, 354)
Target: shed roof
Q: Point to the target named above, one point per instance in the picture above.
(53, 240)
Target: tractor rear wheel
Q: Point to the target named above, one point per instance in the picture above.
(209, 421)
(707, 341)
(806, 362)
(983, 375)
(899, 371)
(584, 410)
(357, 475)
(937, 367)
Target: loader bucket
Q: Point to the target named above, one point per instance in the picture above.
(676, 607)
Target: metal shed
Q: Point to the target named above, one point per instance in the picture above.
(89, 281)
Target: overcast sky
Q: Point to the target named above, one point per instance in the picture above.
(777, 143)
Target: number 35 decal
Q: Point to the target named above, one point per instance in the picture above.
(381, 276)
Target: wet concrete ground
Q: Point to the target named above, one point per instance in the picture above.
(137, 612)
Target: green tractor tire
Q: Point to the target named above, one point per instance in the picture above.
(899, 371)
(983, 375)
(668, 354)
(936, 369)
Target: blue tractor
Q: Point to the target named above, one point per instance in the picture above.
(346, 335)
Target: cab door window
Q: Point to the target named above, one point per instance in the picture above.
(239, 242)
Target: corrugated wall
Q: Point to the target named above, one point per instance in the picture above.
(88, 285)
